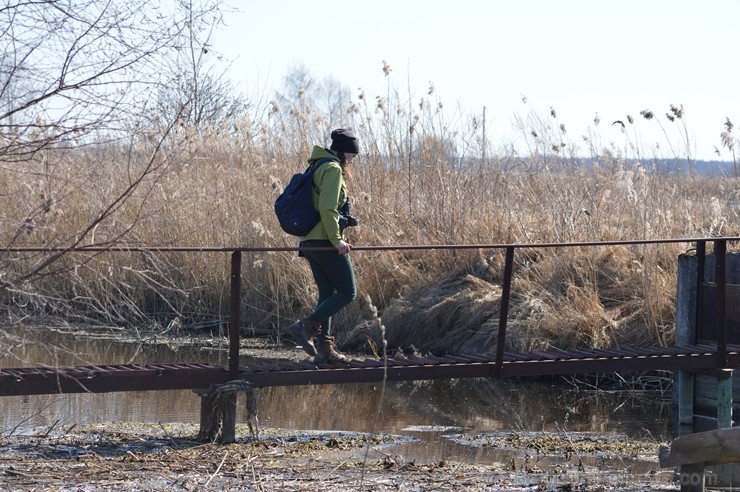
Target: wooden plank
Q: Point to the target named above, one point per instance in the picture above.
(546, 355)
(442, 360)
(355, 364)
(685, 382)
(465, 359)
(606, 353)
(705, 348)
(653, 351)
(403, 362)
(511, 356)
(563, 353)
(480, 358)
(706, 391)
(573, 354)
(711, 447)
(304, 366)
(374, 363)
(724, 400)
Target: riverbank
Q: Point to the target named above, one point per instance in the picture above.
(155, 457)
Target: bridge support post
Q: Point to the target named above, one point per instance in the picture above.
(217, 415)
(685, 380)
(724, 398)
(218, 411)
(228, 424)
(724, 418)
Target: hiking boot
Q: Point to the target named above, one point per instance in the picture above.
(327, 353)
(304, 331)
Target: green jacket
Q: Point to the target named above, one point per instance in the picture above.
(331, 197)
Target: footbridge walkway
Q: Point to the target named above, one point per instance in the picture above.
(152, 377)
(714, 357)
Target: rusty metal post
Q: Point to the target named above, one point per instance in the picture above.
(720, 280)
(504, 315)
(234, 320)
(701, 255)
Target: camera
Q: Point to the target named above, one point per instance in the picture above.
(346, 219)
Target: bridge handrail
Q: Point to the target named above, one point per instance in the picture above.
(118, 247)
(720, 249)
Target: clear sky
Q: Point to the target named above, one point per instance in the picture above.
(581, 57)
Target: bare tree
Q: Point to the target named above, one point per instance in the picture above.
(78, 81)
(302, 93)
(72, 68)
(204, 95)
(299, 88)
(334, 98)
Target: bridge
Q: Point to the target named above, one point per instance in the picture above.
(152, 377)
(716, 357)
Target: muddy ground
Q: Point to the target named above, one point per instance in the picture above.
(169, 457)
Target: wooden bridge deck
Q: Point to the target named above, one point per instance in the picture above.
(148, 377)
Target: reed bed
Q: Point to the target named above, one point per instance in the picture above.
(424, 177)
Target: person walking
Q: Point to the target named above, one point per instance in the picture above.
(332, 269)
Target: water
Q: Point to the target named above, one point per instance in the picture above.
(432, 412)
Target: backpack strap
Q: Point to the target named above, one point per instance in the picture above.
(313, 167)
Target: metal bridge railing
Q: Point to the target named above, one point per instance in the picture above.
(720, 251)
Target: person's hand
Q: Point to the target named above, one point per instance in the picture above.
(343, 248)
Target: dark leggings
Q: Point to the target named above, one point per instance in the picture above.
(335, 279)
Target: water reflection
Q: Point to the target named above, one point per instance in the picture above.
(476, 406)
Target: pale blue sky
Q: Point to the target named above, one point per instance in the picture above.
(582, 57)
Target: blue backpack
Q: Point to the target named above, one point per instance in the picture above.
(294, 207)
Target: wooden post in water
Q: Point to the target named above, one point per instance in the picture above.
(685, 383)
(720, 312)
(229, 403)
(707, 312)
(218, 407)
(724, 375)
(687, 333)
(724, 398)
(701, 259)
(217, 413)
(724, 472)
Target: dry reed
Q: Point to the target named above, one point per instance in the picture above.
(419, 180)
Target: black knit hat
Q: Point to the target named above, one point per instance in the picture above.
(344, 141)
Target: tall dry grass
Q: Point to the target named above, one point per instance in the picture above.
(421, 179)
